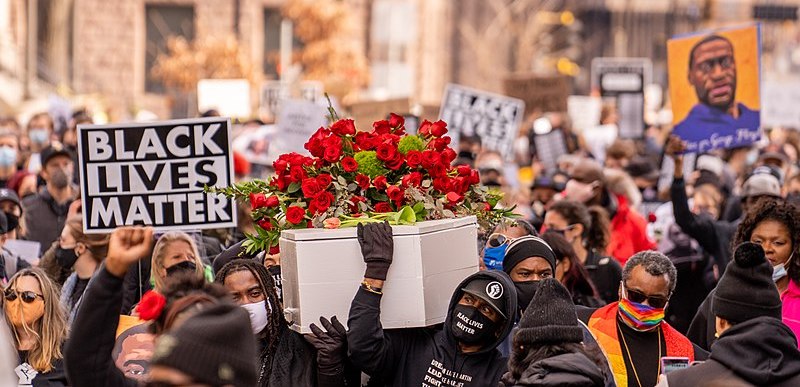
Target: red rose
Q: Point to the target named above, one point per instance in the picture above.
(438, 171)
(461, 184)
(332, 141)
(438, 128)
(395, 163)
(396, 121)
(365, 141)
(430, 159)
(265, 224)
(453, 197)
(344, 127)
(413, 179)
(381, 127)
(386, 152)
(413, 158)
(258, 200)
(280, 166)
(356, 199)
(349, 164)
(383, 207)
(273, 201)
(463, 170)
(310, 187)
(295, 214)
(297, 173)
(439, 144)
(425, 128)
(442, 184)
(279, 183)
(362, 180)
(151, 305)
(448, 155)
(323, 201)
(474, 177)
(487, 207)
(332, 154)
(274, 249)
(395, 193)
(324, 180)
(314, 144)
(379, 182)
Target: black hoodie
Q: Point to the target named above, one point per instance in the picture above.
(565, 370)
(761, 351)
(424, 356)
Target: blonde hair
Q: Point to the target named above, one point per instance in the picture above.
(96, 244)
(160, 250)
(50, 330)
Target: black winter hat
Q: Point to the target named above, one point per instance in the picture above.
(489, 290)
(526, 247)
(550, 318)
(746, 290)
(215, 346)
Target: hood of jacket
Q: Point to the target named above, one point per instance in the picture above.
(509, 292)
(762, 351)
(569, 369)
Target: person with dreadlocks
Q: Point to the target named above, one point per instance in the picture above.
(285, 357)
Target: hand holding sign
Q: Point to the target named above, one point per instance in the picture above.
(675, 148)
(127, 246)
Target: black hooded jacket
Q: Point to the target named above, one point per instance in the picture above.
(413, 357)
(565, 370)
(761, 351)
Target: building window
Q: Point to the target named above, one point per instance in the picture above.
(393, 30)
(162, 23)
(272, 42)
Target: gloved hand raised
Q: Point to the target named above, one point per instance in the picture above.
(331, 345)
(377, 247)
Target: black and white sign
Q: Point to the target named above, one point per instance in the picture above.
(624, 79)
(154, 174)
(492, 117)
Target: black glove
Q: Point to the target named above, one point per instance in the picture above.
(377, 247)
(330, 345)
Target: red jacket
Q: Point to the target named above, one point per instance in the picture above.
(628, 233)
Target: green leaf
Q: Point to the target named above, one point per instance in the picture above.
(406, 215)
(294, 187)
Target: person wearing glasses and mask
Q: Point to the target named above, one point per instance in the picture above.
(501, 235)
(39, 327)
(712, 73)
(632, 332)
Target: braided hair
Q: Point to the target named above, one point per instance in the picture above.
(275, 318)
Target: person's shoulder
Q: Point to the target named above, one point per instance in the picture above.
(695, 113)
(743, 109)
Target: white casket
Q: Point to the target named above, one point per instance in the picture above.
(322, 269)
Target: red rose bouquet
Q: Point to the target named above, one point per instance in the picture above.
(355, 176)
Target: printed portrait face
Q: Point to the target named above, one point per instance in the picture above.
(712, 72)
(133, 351)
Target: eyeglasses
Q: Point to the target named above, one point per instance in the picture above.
(639, 298)
(725, 62)
(561, 231)
(27, 296)
(497, 240)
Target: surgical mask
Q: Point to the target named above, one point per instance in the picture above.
(258, 315)
(525, 292)
(60, 178)
(185, 266)
(23, 314)
(38, 135)
(639, 317)
(470, 326)
(579, 192)
(779, 270)
(8, 156)
(66, 258)
(493, 256)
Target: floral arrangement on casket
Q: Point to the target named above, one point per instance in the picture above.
(356, 177)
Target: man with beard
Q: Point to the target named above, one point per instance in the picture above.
(712, 73)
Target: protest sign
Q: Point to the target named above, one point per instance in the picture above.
(297, 121)
(230, 97)
(714, 80)
(540, 93)
(781, 99)
(625, 80)
(30, 251)
(254, 141)
(154, 174)
(366, 112)
(272, 92)
(584, 111)
(494, 118)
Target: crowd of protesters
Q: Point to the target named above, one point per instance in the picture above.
(605, 272)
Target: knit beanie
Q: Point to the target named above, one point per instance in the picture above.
(526, 247)
(550, 318)
(746, 289)
(215, 346)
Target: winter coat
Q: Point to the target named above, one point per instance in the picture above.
(413, 357)
(568, 370)
(791, 307)
(702, 329)
(628, 230)
(44, 218)
(30, 377)
(605, 274)
(761, 352)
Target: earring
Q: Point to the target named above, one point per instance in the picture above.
(716, 335)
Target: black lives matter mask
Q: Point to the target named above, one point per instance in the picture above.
(470, 326)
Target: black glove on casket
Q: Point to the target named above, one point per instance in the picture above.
(377, 247)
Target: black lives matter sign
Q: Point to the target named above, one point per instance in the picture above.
(155, 173)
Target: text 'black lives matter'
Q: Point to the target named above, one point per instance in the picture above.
(154, 174)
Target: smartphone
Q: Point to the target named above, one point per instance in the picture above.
(669, 364)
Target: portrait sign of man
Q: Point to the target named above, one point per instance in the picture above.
(133, 350)
(719, 118)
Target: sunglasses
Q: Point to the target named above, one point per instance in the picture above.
(497, 240)
(561, 231)
(27, 296)
(639, 298)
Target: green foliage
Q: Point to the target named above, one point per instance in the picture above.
(410, 143)
(369, 164)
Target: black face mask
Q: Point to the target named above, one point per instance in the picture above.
(525, 292)
(185, 266)
(66, 257)
(275, 272)
(470, 326)
(13, 221)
